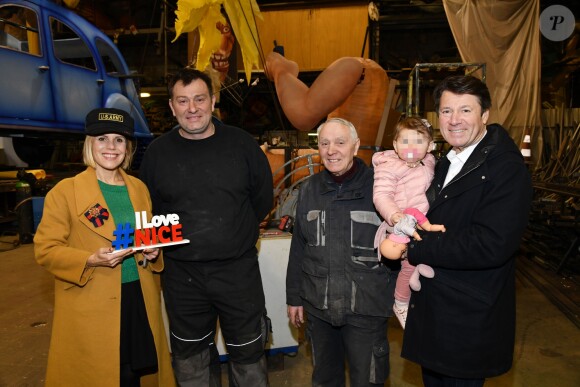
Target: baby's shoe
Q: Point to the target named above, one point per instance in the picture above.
(401, 313)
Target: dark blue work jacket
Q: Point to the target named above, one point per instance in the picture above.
(333, 269)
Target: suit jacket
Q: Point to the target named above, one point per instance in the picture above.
(84, 348)
(462, 322)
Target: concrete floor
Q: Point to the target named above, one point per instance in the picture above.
(547, 350)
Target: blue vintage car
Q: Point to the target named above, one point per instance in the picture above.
(54, 68)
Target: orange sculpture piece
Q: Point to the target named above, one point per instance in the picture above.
(351, 88)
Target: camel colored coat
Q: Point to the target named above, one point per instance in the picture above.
(84, 348)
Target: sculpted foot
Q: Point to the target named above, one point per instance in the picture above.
(277, 65)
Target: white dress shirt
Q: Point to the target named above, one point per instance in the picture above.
(458, 160)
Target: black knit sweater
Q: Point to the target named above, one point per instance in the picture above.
(221, 188)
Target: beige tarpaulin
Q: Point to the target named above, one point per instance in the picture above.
(505, 34)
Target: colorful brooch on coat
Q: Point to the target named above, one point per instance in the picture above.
(97, 214)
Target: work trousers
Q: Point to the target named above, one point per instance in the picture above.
(362, 341)
(196, 295)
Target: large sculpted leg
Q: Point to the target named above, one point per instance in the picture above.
(305, 107)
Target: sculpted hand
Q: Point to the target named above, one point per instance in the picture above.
(106, 256)
(296, 315)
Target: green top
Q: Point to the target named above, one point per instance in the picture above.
(121, 209)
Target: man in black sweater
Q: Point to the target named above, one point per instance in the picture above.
(219, 182)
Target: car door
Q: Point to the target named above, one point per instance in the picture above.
(25, 79)
(76, 79)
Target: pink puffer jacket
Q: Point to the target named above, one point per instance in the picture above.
(398, 186)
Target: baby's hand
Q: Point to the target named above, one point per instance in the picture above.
(396, 217)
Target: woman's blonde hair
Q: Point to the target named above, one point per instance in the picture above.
(89, 160)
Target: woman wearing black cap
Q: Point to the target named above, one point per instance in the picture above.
(108, 328)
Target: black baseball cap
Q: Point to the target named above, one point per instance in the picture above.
(109, 120)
